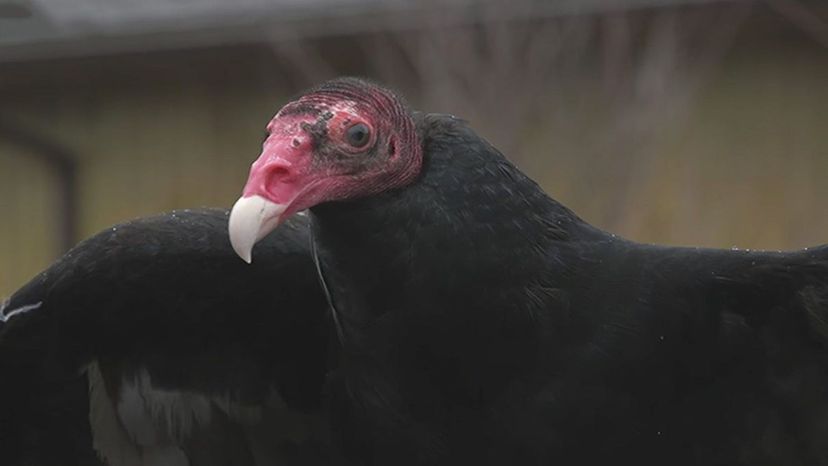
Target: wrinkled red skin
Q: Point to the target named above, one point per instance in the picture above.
(306, 159)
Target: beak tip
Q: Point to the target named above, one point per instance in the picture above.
(250, 220)
(244, 253)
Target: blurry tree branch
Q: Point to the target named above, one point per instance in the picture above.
(802, 17)
(303, 59)
(603, 84)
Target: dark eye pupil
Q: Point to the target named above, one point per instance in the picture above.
(358, 135)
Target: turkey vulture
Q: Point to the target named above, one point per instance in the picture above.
(155, 340)
(483, 322)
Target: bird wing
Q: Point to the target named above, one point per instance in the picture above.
(153, 342)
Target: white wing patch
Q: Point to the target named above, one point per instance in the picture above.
(6, 315)
(144, 425)
(150, 412)
(136, 430)
(109, 438)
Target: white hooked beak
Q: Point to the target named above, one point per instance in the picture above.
(251, 219)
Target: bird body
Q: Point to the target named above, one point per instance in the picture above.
(504, 329)
(485, 323)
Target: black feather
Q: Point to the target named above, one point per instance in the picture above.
(488, 324)
(168, 296)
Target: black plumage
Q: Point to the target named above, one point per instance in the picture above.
(195, 353)
(486, 323)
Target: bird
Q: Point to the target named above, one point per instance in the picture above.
(151, 344)
(482, 322)
(415, 299)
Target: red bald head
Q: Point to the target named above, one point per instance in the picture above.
(344, 140)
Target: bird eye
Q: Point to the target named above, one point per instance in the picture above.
(358, 135)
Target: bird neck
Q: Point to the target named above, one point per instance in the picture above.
(470, 232)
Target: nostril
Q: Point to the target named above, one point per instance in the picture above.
(276, 177)
(279, 172)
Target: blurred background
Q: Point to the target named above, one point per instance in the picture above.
(686, 122)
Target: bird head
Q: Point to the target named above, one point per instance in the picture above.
(343, 140)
